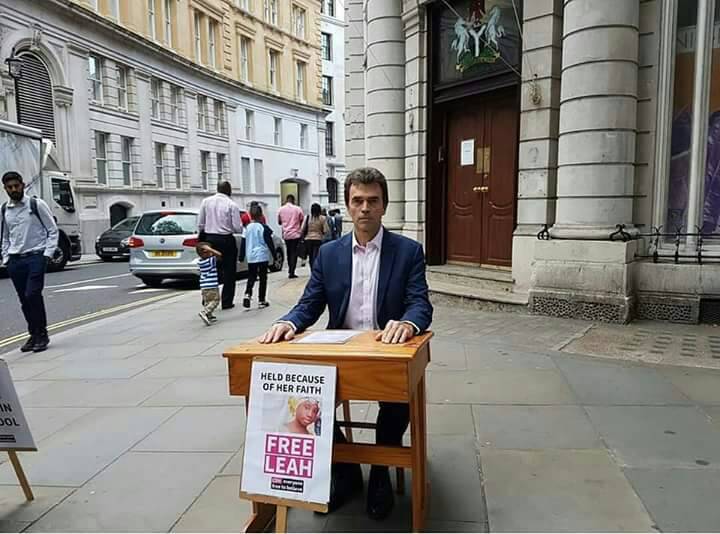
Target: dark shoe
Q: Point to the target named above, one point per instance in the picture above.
(246, 302)
(41, 343)
(29, 344)
(205, 318)
(380, 498)
(263, 304)
(293, 276)
(345, 482)
(228, 306)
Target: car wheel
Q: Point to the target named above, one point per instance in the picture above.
(60, 258)
(278, 262)
(151, 281)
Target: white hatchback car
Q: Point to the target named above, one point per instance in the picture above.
(163, 247)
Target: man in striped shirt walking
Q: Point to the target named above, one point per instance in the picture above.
(208, 281)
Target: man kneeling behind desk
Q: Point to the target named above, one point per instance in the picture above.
(370, 279)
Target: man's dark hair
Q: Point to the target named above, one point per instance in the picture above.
(256, 211)
(11, 175)
(225, 188)
(366, 175)
(291, 199)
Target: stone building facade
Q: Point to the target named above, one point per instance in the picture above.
(546, 151)
(151, 102)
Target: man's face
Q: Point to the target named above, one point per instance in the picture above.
(307, 413)
(15, 189)
(366, 207)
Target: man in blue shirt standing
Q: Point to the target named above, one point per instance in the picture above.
(29, 239)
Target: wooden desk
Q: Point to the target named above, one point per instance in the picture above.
(367, 371)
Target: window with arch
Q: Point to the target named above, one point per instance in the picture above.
(332, 189)
(34, 93)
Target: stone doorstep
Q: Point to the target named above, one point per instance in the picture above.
(498, 280)
(474, 287)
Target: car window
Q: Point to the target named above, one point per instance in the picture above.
(126, 225)
(62, 194)
(166, 223)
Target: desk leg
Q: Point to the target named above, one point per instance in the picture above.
(262, 517)
(419, 459)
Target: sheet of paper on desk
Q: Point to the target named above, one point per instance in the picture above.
(329, 337)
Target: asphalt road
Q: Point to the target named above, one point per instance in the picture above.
(78, 294)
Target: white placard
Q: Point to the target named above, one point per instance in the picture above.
(14, 431)
(467, 152)
(328, 337)
(289, 436)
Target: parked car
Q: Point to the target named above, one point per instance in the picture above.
(113, 243)
(163, 246)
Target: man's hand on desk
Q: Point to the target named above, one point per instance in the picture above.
(278, 332)
(396, 332)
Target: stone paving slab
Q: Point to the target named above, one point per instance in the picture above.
(96, 370)
(46, 421)
(15, 508)
(218, 509)
(175, 350)
(100, 352)
(26, 371)
(485, 357)
(141, 492)
(678, 498)
(86, 446)
(701, 386)
(94, 393)
(200, 391)
(193, 366)
(559, 491)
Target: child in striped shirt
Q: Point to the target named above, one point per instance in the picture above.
(208, 281)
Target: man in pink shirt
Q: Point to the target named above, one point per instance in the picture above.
(290, 218)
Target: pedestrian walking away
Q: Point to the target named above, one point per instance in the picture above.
(29, 239)
(314, 230)
(218, 220)
(259, 247)
(208, 281)
(290, 219)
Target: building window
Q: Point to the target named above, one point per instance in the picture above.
(204, 164)
(202, 112)
(249, 125)
(126, 156)
(159, 164)
(271, 12)
(95, 66)
(298, 14)
(327, 90)
(168, 22)
(245, 171)
(155, 90)
(151, 18)
(300, 81)
(219, 109)
(273, 58)
(244, 4)
(259, 176)
(175, 103)
(114, 9)
(326, 44)
(220, 167)
(329, 139)
(178, 167)
(327, 7)
(212, 30)
(198, 37)
(122, 87)
(303, 136)
(101, 140)
(244, 59)
(277, 131)
(332, 188)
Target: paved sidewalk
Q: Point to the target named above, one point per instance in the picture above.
(136, 430)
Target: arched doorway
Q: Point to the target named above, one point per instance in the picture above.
(34, 94)
(118, 212)
(297, 187)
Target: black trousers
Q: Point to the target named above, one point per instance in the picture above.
(291, 245)
(227, 266)
(28, 277)
(255, 271)
(313, 247)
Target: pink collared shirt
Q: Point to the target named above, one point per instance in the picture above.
(291, 219)
(361, 312)
(219, 215)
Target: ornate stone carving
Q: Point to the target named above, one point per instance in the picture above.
(37, 36)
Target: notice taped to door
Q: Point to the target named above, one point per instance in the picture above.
(289, 437)
(14, 431)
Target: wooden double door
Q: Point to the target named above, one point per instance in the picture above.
(481, 153)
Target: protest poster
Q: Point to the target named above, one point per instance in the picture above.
(289, 436)
(14, 430)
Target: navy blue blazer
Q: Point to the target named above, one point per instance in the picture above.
(402, 293)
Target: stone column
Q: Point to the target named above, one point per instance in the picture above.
(354, 85)
(598, 118)
(385, 101)
(580, 272)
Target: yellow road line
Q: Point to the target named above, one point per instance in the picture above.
(21, 337)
